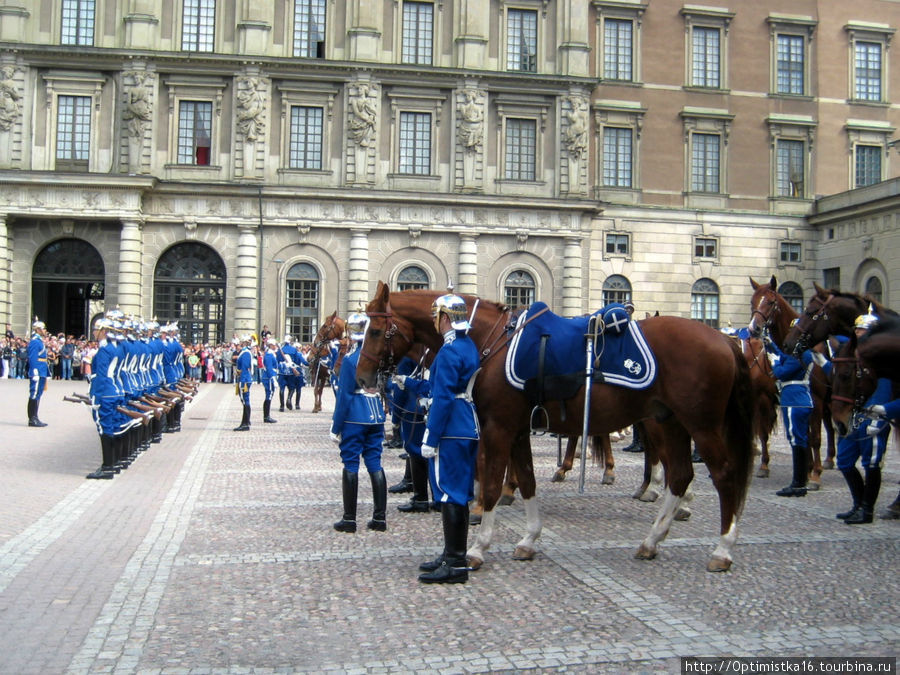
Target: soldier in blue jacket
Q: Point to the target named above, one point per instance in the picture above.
(269, 377)
(106, 396)
(37, 371)
(357, 426)
(792, 375)
(406, 391)
(890, 412)
(244, 379)
(451, 436)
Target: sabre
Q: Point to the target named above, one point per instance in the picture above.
(589, 372)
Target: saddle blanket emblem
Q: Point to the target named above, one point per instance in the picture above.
(625, 358)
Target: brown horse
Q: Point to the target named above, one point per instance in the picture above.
(771, 313)
(702, 391)
(879, 349)
(319, 372)
(601, 451)
(852, 385)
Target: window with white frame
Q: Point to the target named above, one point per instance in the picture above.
(618, 49)
(417, 33)
(194, 132)
(618, 243)
(309, 29)
(706, 248)
(617, 157)
(306, 137)
(869, 43)
(198, 25)
(414, 150)
(520, 149)
(302, 302)
(792, 292)
(705, 302)
(412, 277)
(790, 168)
(790, 64)
(867, 164)
(706, 46)
(790, 251)
(705, 162)
(521, 39)
(78, 22)
(519, 289)
(616, 288)
(73, 132)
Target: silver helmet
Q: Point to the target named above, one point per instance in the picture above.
(455, 309)
(356, 326)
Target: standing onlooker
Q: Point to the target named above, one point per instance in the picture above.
(52, 358)
(227, 363)
(9, 333)
(66, 353)
(6, 357)
(21, 358)
(87, 359)
(76, 360)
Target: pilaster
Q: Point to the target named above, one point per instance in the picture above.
(130, 246)
(467, 281)
(245, 285)
(358, 280)
(5, 299)
(573, 296)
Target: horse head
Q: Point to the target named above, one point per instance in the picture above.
(814, 325)
(851, 386)
(763, 305)
(388, 338)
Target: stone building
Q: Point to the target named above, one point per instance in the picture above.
(231, 163)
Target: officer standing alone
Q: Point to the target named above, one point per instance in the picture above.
(37, 371)
(244, 366)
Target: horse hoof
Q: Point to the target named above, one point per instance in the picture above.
(523, 553)
(716, 564)
(474, 519)
(645, 553)
(812, 486)
(762, 473)
(505, 500)
(558, 477)
(828, 464)
(608, 480)
(682, 514)
(474, 563)
(649, 496)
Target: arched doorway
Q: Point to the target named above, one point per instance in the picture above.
(67, 286)
(189, 287)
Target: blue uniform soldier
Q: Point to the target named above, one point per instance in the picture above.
(269, 377)
(244, 370)
(406, 392)
(106, 396)
(451, 436)
(37, 371)
(357, 426)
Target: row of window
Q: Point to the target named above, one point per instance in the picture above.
(706, 43)
(705, 247)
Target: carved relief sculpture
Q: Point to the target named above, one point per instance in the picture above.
(575, 137)
(363, 115)
(470, 131)
(137, 115)
(9, 111)
(249, 118)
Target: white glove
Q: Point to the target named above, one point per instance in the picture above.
(819, 359)
(335, 438)
(428, 451)
(35, 377)
(876, 412)
(400, 381)
(872, 429)
(425, 403)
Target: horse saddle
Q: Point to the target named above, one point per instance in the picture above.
(547, 356)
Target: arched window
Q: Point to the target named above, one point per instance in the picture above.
(705, 302)
(189, 287)
(518, 289)
(411, 278)
(792, 292)
(874, 288)
(616, 288)
(302, 295)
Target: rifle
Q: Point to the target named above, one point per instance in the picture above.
(75, 400)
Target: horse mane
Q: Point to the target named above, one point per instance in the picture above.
(423, 292)
(882, 310)
(889, 323)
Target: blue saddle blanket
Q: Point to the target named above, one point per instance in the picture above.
(621, 353)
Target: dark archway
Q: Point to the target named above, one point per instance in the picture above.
(67, 276)
(189, 287)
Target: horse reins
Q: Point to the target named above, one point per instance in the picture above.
(391, 329)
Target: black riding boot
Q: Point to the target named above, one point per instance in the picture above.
(107, 469)
(281, 400)
(349, 487)
(892, 510)
(637, 444)
(856, 485)
(297, 399)
(267, 407)
(453, 567)
(797, 488)
(245, 420)
(406, 484)
(379, 496)
(290, 394)
(863, 514)
(33, 420)
(418, 469)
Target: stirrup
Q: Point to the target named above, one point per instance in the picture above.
(538, 415)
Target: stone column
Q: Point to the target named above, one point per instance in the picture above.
(358, 281)
(573, 295)
(473, 20)
(246, 281)
(573, 25)
(5, 299)
(130, 246)
(467, 282)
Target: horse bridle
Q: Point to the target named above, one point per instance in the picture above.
(767, 318)
(808, 317)
(391, 329)
(857, 404)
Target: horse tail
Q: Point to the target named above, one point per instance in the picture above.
(739, 427)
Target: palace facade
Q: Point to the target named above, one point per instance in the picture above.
(235, 163)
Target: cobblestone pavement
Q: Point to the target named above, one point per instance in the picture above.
(214, 553)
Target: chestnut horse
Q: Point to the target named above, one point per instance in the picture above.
(319, 372)
(853, 383)
(879, 349)
(771, 313)
(702, 391)
(601, 451)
